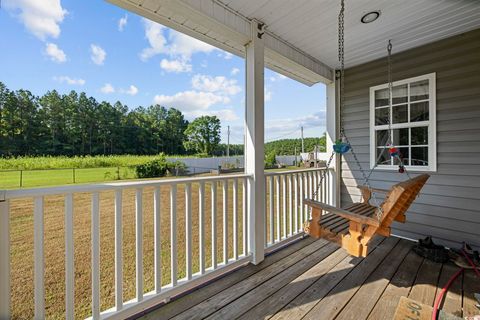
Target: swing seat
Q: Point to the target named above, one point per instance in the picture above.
(353, 226)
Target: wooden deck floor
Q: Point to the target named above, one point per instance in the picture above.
(317, 280)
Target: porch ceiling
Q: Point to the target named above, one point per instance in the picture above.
(301, 37)
(312, 25)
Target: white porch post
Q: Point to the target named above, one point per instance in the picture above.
(332, 134)
(254, 141)
(4, 260)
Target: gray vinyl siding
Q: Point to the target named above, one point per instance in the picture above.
(449, 205)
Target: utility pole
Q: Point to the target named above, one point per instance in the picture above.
(303, 147)
(228, 141)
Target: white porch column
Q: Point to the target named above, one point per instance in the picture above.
(254, 141)
(332, 132)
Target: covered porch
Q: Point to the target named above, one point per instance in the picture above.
(235, 246)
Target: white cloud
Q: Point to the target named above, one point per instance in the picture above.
(178, 46)
(107, 88)
(223, 114)
(41, 18)
(132, 90)
(278, 127)
(176, 66)
(98, 55)
(55, 53)
(226, 55)
(70, 81)
(122, 23)
(267, 95)
(234, 71)
(219, 84)
(190, 100)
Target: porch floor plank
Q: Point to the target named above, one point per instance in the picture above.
(399, 286)
(315, 279)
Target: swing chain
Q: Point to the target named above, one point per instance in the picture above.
(343, 136)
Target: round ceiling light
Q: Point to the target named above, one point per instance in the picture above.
(370, 16)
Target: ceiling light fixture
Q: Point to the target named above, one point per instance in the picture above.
(370, 16)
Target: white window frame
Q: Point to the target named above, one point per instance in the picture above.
(431, 123)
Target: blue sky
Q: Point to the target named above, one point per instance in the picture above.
(112, 54)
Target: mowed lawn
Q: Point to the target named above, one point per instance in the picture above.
(52, 177)
(22, 246)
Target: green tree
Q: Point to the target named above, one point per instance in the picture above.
(203, 135)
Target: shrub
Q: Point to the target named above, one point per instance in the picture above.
(270, 159)
(159, 167)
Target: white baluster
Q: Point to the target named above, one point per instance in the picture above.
(284, 202)
(235, 219)
(295, 187)
(245, 217)
(277, 193)
(201, 226)
(118, 250)
(225, 221)
(214, 224)
(95, 256)
(188, 229)
(290, 204)
(4, 259)
(157, 245)
(173, 234)
(39, 269)
(69, 259)
(139, 243)
(270, 197)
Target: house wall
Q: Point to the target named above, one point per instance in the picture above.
(449, 205)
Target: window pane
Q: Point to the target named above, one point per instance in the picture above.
(419, 156)
(384, 158)
(400, 114)
(419, 111)
(419, 90)
(399, 94)
(381, 116)
(381, 98)
(381, 137)
(400, 137)
(403, 155)
(419, 135)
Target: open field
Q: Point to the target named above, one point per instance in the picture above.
(10, 179)
(22, 246)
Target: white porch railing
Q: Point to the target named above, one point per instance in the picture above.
(199, 225)
(285, 211)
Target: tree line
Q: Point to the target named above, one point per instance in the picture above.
(76, 124)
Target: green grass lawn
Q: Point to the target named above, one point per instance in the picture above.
(39, 178)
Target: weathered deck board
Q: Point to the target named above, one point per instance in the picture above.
(185, 302)
(268, 307)
(452, 301)
(471, 284)
(399, 286)
(365, 299)
(333, 303)
(252, 298)
(218, 301)
(425, 286)
(313, 279)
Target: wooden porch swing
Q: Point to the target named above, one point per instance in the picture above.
(353, 226)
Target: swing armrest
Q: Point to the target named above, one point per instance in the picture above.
(342, 213)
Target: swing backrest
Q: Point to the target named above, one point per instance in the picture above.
(400, 197)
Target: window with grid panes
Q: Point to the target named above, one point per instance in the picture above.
(412, 123)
